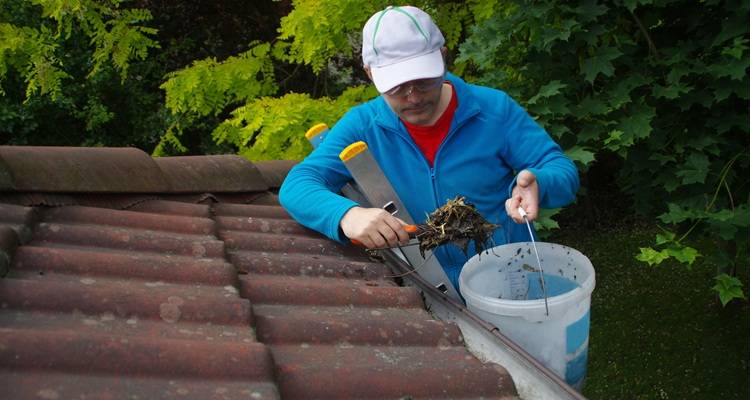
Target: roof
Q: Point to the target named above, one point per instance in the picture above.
(128, 276)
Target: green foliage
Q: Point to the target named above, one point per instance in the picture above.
(32, 53)
(121, 40)
(544, 224)
(73, 73)
(728, 288)
(116, 34)
(663, 85)
(324, 35)
(315, 31)
(274, 128)
(208, 86)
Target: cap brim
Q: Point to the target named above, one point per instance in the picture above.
(387, 77)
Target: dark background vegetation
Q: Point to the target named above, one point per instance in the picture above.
(656, 332)
(103, 111)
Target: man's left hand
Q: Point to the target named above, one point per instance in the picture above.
(526, 195)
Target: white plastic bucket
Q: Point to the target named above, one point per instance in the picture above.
(502, 286)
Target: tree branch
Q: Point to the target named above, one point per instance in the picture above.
(651, 46)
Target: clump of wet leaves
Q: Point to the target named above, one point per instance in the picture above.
(456, 222)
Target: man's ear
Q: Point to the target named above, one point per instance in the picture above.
(444, 52)
(368, 72)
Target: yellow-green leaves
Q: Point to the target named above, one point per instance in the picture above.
(32, 54)
(121, 39)
(117, 35)
(317, 30)
(208, 86)
(274, 128)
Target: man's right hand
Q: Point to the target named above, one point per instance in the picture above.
(374, 227)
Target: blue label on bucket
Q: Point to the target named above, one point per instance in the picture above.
(577, 333)
(575, 369)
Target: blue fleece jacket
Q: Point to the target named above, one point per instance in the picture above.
(490, 139)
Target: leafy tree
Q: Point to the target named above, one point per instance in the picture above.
(662, 85)
(116, 34)
(65, 69)
(320, 35)
(104, 91)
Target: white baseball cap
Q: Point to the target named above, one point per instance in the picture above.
(401, 44)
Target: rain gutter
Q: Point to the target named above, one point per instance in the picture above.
(533, 380)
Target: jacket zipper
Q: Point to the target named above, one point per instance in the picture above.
(450, 134)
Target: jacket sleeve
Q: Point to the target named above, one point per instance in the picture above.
(309, 193)
(528, 146)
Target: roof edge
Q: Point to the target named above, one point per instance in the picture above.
(127, 170)
(79, 170)
(274, 171)
(211, 174)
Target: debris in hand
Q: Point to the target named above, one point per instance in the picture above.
(456, 222)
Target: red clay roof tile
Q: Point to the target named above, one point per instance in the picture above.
(223, 173)
(73, 170)
(274, 171)
(215, 300)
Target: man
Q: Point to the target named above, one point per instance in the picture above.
(435, 137)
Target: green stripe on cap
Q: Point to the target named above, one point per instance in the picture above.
(382, 14)
(377, 26)
(414, 20)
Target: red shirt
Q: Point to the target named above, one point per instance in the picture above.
(429, 138)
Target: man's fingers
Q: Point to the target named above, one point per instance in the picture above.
(524, 194)
(511, 208)
(374, 228)
(397, 227)
(378, 241)
(525, 178)
(387, 233)
(531, 211)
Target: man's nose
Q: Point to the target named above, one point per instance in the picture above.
(413, 96)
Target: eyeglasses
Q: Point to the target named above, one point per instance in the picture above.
(420, 85)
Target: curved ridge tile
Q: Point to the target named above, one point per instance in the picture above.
(80, 169)
(220, 174)
(274, 171)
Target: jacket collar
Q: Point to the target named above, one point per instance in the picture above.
(467, 106)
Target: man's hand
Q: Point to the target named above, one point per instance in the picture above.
(374, 227)
(526, 195)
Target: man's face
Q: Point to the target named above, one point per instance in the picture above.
(416, 102)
